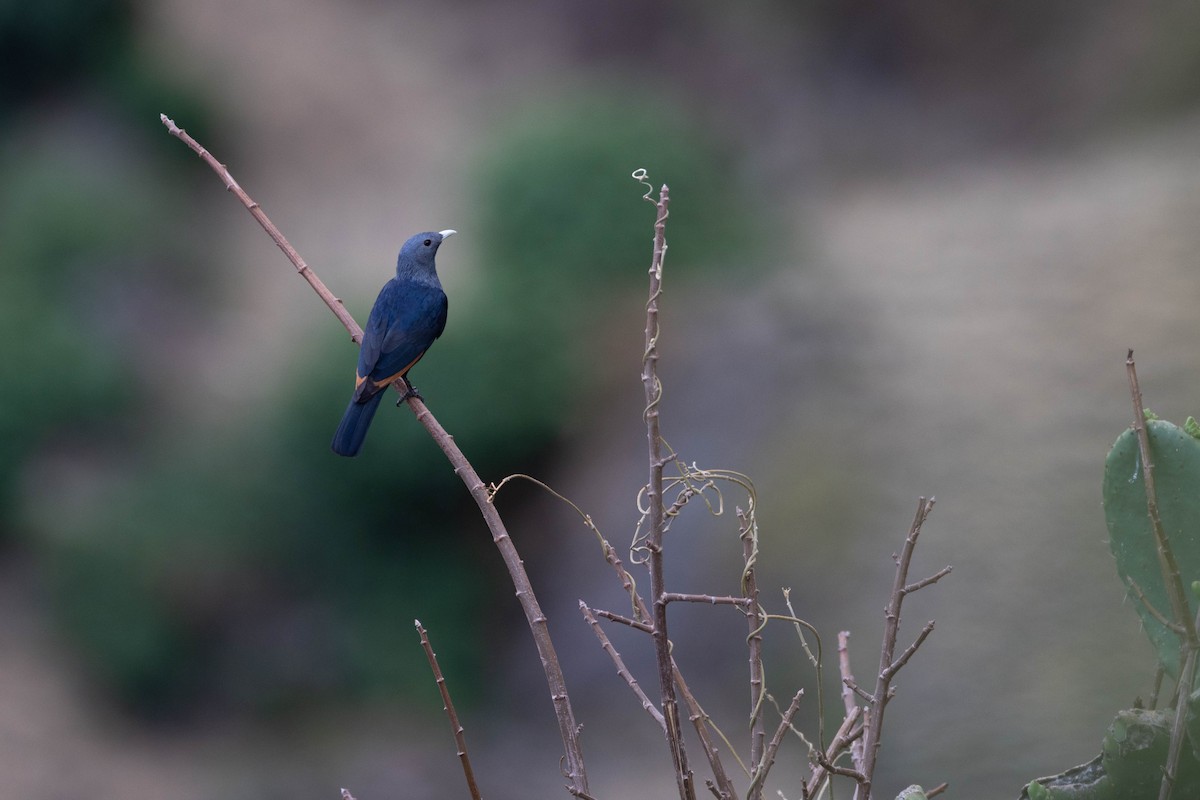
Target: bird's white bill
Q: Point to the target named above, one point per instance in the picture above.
(446, 233)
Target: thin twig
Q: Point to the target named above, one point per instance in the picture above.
(460, 738)
(908, 652)
(654, 501)
(1174, 627)
(754, 642)
(768, 758)
(622, 670)
(714, 600)
(1173, 583)
(849, 689)
(816, 659)
(701, 722)
(848, 772)
(848, 734)
(888, 664)
(699, 719)
(632, 623)
(575, 771)
(721, 787)
(858, 690)
(934, 578)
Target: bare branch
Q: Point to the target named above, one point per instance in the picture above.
(681, 597)
(568, 728)
(834, 769)
(908, 653)
(849, 689)
(622, 670)
(934, 578)
(699, 719)
(768, 758)
(701, 723)
(754, 641)
(460, 738)
(849, 734)
(888, 664)
(1154, 612)
(637, 626)
(654, 502)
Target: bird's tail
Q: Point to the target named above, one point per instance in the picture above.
(355, 422)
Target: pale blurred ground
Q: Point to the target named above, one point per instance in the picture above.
(947, 315)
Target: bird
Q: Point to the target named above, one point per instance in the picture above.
(408, 315)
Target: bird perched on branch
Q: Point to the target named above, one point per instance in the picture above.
(408, 315)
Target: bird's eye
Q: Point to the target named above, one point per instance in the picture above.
(428, 242)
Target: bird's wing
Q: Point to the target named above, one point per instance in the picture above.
(376, 330)
(403, 324)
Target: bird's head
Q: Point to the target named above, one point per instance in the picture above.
(424, 245)
(419, 250)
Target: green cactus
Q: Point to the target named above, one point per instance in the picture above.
(1176, 457)
(1129, 766)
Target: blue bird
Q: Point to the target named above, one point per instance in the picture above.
(408, 315)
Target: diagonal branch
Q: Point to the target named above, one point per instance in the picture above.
(459, 738)
(622, 670)
(768, 758)
(575, 771)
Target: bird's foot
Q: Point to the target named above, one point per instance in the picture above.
(409, 391)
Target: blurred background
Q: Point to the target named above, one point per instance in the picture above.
(910, 244)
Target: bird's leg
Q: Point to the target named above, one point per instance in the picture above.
(409, 391)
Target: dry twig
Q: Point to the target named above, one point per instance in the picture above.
(754, 640)
(654, 501)
(761, 768)
(1174, 585)
(849, 689)
(889, 664)
(622, 670)
(460, 738)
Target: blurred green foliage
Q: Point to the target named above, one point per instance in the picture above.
(560, 211)
(53, 44)
(245, 567)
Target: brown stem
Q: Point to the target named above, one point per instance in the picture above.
(654, 502)
(754, 642)
(849, 689)
(768, 758)
(575, 771)
(696, 714)
(888, 664)
(622, 670)
(713, 600)
(848, 735)
(460, 738)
